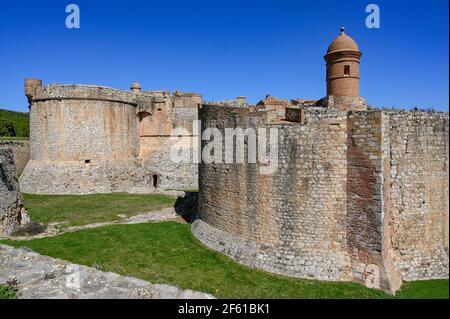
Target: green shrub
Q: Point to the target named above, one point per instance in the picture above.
(8, 292)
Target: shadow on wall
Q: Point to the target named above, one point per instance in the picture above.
(187, 206)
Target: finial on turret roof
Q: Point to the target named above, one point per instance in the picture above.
(342, 30)
(135, 87)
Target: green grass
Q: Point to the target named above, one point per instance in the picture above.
(428, 289)
(7, 292)
(167, 252)
(74, 210)
(14, 124)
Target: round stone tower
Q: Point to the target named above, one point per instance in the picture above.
(343, 66)
(83, 140)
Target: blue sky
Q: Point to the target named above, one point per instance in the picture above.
(223, 49)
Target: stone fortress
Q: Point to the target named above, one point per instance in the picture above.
(360, 194)
(93, 139)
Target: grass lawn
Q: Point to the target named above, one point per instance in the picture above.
(428, 289)
(7, 292)
(74, 210)
(167, 252)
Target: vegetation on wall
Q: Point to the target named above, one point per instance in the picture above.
(14, 124)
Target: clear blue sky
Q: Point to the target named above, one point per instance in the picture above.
(223, 49)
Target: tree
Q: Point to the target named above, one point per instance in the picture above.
(7, 129)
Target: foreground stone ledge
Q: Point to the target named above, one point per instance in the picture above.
(41, 277)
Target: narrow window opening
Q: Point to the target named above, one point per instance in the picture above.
(87, 161)
(155, 180)
(347, 70)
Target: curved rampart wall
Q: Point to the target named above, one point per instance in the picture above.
(291, 222)
(361, 196)
(83, 140)
(78, 123)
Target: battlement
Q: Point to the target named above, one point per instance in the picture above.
(239, 102)
(186, 99)
(274, 111)
(38, 93)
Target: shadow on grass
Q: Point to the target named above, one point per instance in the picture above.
(187, 206)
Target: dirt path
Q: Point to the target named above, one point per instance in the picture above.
(55, 230)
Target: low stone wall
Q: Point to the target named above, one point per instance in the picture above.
(21, 151)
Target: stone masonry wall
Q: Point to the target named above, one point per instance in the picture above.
(419, 159)
(11, 205)
(291, 222)
(21, 151)
(171, 175)
(360, 196)
(83, 140)
(80, 130)
(156, 145)
(75, 177)
(368, 235)
(92, 139)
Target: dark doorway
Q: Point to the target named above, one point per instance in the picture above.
(155, 179)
